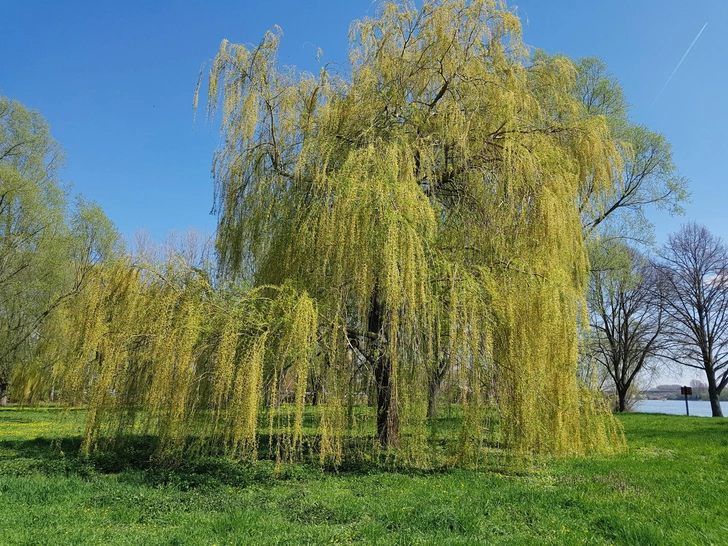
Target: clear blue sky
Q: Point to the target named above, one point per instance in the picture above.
(116, 79)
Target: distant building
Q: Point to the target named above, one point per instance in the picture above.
(662, 391)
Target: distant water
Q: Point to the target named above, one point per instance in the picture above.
(699, 408)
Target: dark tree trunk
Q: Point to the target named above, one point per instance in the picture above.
(432, 392)
(387, 415)
(316, 385)
(714, 394)
(622, 403)
(3, 393)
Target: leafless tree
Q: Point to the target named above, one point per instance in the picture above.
(693, 267)
(698, 387)
(626, 320)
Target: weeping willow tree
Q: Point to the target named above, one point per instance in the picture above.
(427, 201)
(155, 351)
(412, 222)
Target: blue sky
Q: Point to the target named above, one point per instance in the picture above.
(115, 81)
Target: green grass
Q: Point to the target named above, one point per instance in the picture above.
(670, 488)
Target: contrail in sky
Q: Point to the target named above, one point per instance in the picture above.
(678, 66)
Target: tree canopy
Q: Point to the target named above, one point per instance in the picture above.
(412, 219)
(647, 176)
(426, 200)
(46, 245)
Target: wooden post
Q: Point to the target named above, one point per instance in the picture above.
(687, 391)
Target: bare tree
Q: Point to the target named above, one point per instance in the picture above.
(625, 318)
(693, 269)
(698, 387)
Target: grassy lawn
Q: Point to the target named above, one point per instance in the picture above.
(670, 488)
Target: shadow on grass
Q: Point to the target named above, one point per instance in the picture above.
(132, 460)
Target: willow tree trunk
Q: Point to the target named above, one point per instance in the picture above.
(432, 393)
(316, 386)
(387, 415)
(3, 393)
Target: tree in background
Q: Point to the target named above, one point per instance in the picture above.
(693, 268)
(46, 247)
(626, 317)
(648, 176)
(699, 387)
(614, 215)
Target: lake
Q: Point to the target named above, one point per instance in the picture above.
(700, 408)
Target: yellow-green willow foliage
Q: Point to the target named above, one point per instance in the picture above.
(411, 234)
(426, 201)
(157, 351)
